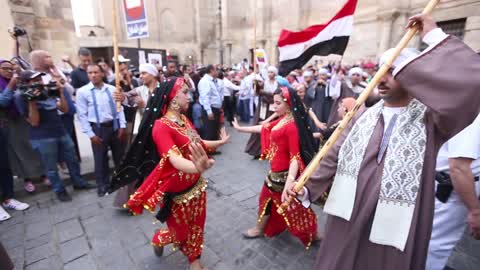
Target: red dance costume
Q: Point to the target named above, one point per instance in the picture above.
(281, 145)
(187, 219)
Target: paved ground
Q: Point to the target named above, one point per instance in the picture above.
(89, 233)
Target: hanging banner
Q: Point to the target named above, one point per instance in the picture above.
(135, 19)
(261, 58)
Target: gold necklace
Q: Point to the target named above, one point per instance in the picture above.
(175, 119)
(285, 120)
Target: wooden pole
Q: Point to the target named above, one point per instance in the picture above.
(254, 46)
(361, 99)
(115, 51)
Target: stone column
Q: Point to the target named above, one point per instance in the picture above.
(229, 54)
(472, 33)
(387, 18)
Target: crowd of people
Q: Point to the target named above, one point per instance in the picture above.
(384, 197)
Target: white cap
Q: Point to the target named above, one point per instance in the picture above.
(323, 71)
(355, 70)
(149, 68)
(405, 55)
(307, 73)
(272, 69)
(121, 59)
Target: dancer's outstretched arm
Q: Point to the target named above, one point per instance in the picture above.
(199, 160)
(247, 129)
(224, 138)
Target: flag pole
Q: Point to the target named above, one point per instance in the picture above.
(254, 46)
(359, 102)
(115, 51)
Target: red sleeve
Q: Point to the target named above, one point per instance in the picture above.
(162, 136)
(294, 145)
(265, 139)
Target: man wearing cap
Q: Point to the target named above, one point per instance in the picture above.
(138, 97)
(355, 80)
(79, 75)
(349, 88)
(127, 84)
(382, 169)
(101, 122)
(47, 133)
(321, 101)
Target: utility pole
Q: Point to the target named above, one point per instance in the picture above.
(220, 33)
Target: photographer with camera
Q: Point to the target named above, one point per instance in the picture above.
(6, 177)
(24, 162)
(47, 133)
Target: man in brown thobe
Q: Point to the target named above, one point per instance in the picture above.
(450, 104)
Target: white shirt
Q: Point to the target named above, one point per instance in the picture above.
(270, 86)
(86, 110)
(465, 144)
(229, 87)
(210, 94)
(388, 113)
(246, 86)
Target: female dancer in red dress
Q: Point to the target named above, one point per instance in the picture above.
(288, 155)
(175, 183)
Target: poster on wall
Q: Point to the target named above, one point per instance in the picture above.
(135, 19)
(155, 58)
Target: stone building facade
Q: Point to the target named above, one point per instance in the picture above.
(49, 24)
(214, 31)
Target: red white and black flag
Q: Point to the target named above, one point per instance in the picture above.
(297, 48)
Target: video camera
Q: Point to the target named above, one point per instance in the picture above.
(46, 90)
(18, 31)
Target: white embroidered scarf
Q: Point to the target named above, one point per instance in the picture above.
(401, 175)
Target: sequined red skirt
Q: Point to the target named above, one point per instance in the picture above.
(185, 228)
(298, 220)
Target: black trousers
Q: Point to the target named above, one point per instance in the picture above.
(100, 154)
(211, 128)
(229, 108)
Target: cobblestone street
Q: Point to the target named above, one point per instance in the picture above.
(88, 233)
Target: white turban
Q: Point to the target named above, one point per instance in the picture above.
(323, 71)
(405, 56)
(272, 69)
(355, 70)
(148, 68)
(308, 73)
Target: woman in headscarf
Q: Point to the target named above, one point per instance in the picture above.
(24, 162)
(169, 150)
(288, 155)
(264, 109)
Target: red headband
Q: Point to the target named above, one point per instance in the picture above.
(286, 96)
(176, 87)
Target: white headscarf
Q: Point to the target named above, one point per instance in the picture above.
(355, 70)
(272, 69)
(308, 73)
(406, 55)
(323, 71)
(149, 68)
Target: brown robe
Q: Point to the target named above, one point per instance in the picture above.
(345, 92)
(453, 103)
(254, 147)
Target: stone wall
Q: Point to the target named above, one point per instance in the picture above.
(190, 27)
(49, 24)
